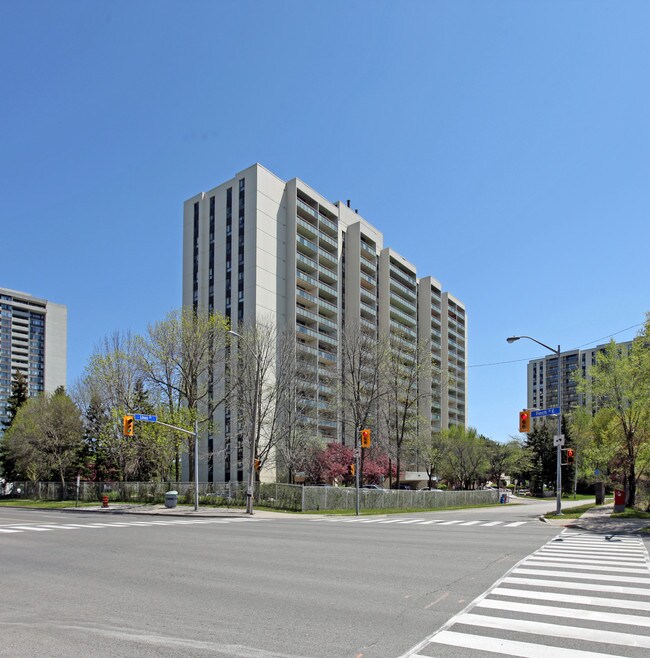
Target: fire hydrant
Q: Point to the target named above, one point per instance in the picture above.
(104, 501)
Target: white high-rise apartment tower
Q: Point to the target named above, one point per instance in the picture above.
(543, 374)
(257, 247)
(33, 340)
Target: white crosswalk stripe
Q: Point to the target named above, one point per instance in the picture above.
(422, 522)
(591, 592)
(38, 527)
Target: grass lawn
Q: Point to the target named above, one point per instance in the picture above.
(631, 514)
(44, 504)
(573, 512)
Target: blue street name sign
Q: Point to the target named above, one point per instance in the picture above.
(535, 413)
(149, 419)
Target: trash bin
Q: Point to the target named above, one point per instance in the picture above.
(171, 499)
(619, 500)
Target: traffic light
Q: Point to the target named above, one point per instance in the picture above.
(570, 455)
(127, 425)
(352, 470)
(524, 421)
(365, 438)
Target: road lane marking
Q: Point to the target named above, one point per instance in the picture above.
(31, 527)
(508, 647)
(589, 587)
(583, 576)
(570, 613)
(563, 597)
(555, 630)
(530, 600)
(541, 562)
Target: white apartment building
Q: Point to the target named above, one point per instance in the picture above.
(33, 340)
(257, 247)
(543, 374)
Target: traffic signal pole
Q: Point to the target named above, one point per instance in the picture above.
(558, 463)
(357, 431)
(195, 433)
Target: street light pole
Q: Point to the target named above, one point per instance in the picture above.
(558, 459)
(253, 438)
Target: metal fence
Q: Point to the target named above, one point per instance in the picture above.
(291, 497)
(338, 498)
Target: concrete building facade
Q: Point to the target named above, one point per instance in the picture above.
(257, 247)
(543, 374)
(33, 340)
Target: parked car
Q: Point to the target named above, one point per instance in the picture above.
(371, 486)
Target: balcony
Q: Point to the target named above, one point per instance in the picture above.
(326, 240)
(329, 226)
(403, 304)
(308, 209)
(307, 263)
(328, 275)
(328, 260)
(327, 289)
(398, 327)
(326, 307)
(401, 275)
(404, 318)
(305, 295)
(305, 227)
(406, 292)
(306, 278)
(306, 246)
(371, 251)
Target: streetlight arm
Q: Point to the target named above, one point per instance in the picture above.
(512, 339)
(558, 461)
(248, 347)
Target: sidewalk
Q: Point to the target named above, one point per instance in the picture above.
(599, 520)
(186, 510)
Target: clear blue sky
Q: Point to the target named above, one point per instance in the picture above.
(502, 147)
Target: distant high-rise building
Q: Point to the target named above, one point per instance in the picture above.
(543, 374)
(33, 340)
(257, 247)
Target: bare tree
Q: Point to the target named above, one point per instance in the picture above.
(401, 394)
(181, 358)
(360, 360)
(295, 384)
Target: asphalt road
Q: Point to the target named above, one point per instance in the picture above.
(255, 588)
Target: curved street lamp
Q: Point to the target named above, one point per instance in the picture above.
(558, 467)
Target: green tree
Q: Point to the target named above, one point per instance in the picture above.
(542, 458)
(46, 437)
(619, 384)
(502, 457)
(18, 397)
(465, 456)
